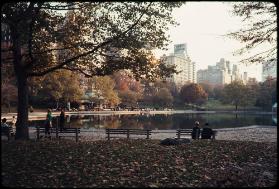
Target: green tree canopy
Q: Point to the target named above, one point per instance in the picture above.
(267, 95)
(234, 93)
(59, 86)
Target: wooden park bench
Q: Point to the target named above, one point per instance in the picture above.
(183, 132)
(127, 132)
(58, 132)
(76, 131)
(188, 132)
(7, 131)
(40, 130)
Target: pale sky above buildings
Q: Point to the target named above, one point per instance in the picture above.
(202, 27)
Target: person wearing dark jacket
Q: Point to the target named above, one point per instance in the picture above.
(206, 132)
(196, 131)
(62, 119)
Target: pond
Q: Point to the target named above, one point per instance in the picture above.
(163, 121)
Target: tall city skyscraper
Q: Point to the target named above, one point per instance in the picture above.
(183, 63)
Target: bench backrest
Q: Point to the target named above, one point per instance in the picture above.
(190, 131)
(64, 130)
(184, 131)
(69, 130)
(131, 131)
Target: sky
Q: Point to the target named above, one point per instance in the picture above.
(202, 27)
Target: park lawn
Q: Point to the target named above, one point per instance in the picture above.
(217, 105)
(138, 163)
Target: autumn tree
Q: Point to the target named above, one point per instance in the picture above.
(208, 88)
(55, 87)
(149, 90)
(124, 80)
(104, 89)
(128, 88)
(260, 29)
(44, 39)
(163, 98)
(128, 98)
(193, 93)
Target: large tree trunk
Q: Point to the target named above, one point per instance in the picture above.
(21, 76)
(22, 131)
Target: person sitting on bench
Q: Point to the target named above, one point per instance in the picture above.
(206, 132)
(5, 128)
(196, 131)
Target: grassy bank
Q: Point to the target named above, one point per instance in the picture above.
(138, 163)
(217, 105)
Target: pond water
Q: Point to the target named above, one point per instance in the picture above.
(163, 121)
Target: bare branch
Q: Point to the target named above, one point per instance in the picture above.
(258, 54)
(260, 29)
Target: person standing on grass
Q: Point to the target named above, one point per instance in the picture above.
(196, 131)
(48, 123)
(62, 119)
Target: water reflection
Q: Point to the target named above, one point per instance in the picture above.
(161, 121)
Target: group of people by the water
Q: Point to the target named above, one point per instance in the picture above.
(10, 129)
(205, 133)
(48, 122)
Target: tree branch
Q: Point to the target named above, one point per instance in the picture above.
(258, 54)
(79, 70)
(32, 74)
(30, 39)
(63, 7)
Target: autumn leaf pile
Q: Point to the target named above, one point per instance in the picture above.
(138, 163)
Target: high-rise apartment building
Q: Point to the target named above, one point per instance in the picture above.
(269, 70)
(183, 63)
(222, 73)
